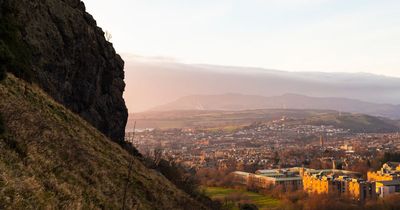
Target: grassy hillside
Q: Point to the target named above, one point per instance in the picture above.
(356, 122)
(235, 101)
(52, 159)
(182, 119)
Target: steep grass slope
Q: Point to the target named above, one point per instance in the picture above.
(52, 159)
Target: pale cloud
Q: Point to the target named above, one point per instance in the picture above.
(148, 59)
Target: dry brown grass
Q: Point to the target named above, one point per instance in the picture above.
(51, 159)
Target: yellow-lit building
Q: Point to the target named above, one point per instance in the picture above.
(391, 166)
(341, 185)
(315, 184)
(361, 190)
(328, 181)
(389, 171)
(387, 179)
(378, 176)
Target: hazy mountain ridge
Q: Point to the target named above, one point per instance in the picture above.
(153, 83)
(287, 101)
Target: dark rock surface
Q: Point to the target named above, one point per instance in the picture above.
(72, 61)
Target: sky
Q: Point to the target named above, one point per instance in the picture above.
(293, 35)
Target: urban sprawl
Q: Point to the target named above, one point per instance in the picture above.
(316, 159)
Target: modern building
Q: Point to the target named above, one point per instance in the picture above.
(387, 179)
(264, 179)
(385, 188)
(329, 181)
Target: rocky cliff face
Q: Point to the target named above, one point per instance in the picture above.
(70, 59)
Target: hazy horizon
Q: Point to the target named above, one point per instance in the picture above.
(156, 81)
(306, 35)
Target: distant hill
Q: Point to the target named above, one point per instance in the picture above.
(287, 101)
(356, 122)
(231, 119)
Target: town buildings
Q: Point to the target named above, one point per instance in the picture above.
(278, 144)
(387, 179)
(331, 181)
(389, 171)
(338, 182)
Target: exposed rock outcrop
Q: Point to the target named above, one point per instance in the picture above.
(70, 59)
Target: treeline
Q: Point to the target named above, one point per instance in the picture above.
(391, 157)
(212, 177)
(304, 201)
(182, 178)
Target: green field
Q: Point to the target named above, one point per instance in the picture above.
(261, 201)
(213, 119)
(232, 120)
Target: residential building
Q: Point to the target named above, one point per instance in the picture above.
(337, 183)
(389, 171)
